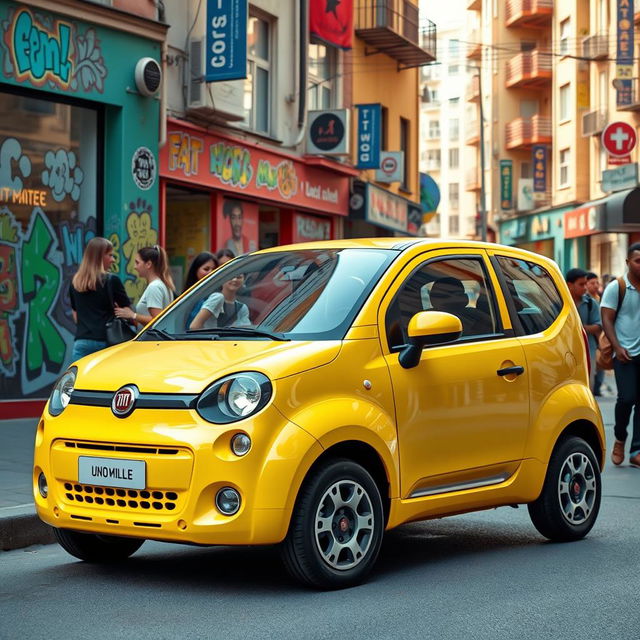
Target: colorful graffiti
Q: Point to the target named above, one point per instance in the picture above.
(184, 152)
(282, 177)
(231, 163)
(62, 174)
(43, 50)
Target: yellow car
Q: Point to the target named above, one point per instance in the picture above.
(313, 396)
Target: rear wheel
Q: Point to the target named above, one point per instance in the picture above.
(93, 547)
(570, 500)
(336, 528)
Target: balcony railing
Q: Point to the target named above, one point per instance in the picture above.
(472, 132)
(472, 93)
(530, 69)
(394, 27)
(474, 47)
(595, 47)
(635, 97)
(524, 132)
(593, 122)
(472, 180)
(529, 14)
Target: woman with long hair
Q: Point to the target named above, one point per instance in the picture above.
(152, 264)
(224, 255)
(203, 264)
(91, 291)
(222, 309)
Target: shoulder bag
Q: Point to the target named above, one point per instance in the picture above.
(117, 329)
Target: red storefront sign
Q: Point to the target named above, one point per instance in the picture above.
(310, 228)
(205, 159)
(581, 222)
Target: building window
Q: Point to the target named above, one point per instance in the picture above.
(454, 158)
(323, 69)
(454, 129)
(257, 86)
(434, 129)
(454, 195)
(454, 224)
(564, 167)
(565, 27)
(453, 69)
(525, 170)
(433, 159)
(454, 49)
(564, 102)
(405, 147)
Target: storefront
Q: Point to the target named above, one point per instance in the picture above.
(68, 117)
(220, 192)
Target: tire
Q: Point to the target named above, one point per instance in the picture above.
(336, 527)
(570, 500)
(97, 548)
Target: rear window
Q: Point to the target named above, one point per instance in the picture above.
(535, 297)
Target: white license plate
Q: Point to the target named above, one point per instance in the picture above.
(112, 472)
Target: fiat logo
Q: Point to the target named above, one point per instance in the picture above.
(124, 401)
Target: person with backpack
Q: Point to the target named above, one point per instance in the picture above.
(589, 311)
(621, 322)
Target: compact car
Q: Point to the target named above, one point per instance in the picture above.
(370, 383)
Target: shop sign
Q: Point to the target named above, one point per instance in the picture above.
(43, 50)
(328, 132)
(539, 157)
(513, 230)
(310, 228)
(581, 222)
(143, 168)
(379, 207)
(540, 226)
(525, 194)
(620, 178)
(391, 166)
(209, 160)
(369, 136)
(506, 184)
(619, 139)
(226, 40)
(624, 52)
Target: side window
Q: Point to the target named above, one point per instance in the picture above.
(535, 297)
(458, 286)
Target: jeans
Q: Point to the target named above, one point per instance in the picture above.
(628, 382)
(84, 346)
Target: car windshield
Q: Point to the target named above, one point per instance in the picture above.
(311, 294)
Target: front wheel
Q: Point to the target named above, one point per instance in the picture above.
(570, 500)
(93, 547)
(336, 527)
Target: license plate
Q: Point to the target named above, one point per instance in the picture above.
(112, 472)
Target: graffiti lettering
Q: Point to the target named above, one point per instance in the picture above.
(10, 151)
(184, 152)
(231, 164)
(141, 234)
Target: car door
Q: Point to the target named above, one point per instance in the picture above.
(463, 412)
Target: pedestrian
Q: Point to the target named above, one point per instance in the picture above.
(203, 264)
(91, 290)
(152, 264)
(594, 289)
(224, 255)
(589, 311)
(222, 309)
(622, 326)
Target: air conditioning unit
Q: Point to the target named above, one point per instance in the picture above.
(593, 122)
(216, 101)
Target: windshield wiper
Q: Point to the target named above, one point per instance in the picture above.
(241, 331)
(159, 332)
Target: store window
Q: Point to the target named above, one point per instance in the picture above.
(323, 71)
(257, 85)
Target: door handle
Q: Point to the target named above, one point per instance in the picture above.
(507, 371)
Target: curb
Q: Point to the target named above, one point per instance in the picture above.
(21, 527)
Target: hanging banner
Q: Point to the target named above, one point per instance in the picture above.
(539, 161)
(506, 184)
(369, 135)
(226, 40)
(624, 53)
(332, 21)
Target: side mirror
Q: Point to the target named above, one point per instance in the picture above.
(426, 329)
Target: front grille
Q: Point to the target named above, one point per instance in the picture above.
(128, 500)
(105, 446)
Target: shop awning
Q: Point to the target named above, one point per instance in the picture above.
(620, 211)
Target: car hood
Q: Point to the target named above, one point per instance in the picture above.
(190, 366)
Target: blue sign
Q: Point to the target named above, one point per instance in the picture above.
(539, 158)
(226, 41)
(369, 136)
(429, 193)
(624, 52)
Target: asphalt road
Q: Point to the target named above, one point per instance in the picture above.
(484, 575)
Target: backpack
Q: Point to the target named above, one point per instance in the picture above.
(604, 358)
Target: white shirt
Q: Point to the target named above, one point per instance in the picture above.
(214, 304)
(155, 296)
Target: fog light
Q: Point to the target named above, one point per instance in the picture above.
(42, 485)
(228, 501)
(240, 444)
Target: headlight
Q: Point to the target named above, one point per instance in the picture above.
(61, 394)
(235, 397)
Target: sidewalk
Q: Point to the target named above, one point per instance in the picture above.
(19, 524)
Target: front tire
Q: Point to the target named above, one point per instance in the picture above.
(570, 500)
(93, 547)
(336, 528)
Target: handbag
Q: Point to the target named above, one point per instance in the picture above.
(604, 357)
(117, 329)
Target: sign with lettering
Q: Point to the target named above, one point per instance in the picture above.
(226, 40)
(582, 222)
(310, 228)
(539, 159)
(369, 136)
(622, 177)
(506, 184)
(380, 207)
(624, 52)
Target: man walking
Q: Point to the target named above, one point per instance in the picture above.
(589, 311)
(622, 327)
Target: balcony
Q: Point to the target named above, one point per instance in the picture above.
(474, 5)
(474, 47)
(522, 133)
(472, 180)
(529, 14)
(472, 133)
(529, 70)
(593, 122)
(595, 47)
(472, 93)
(635, 97)
(394, 27)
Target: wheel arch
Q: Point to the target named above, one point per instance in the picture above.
(589, 433)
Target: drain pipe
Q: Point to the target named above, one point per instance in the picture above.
(302, 71)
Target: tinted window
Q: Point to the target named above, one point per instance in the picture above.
(457, 286)
(535, 298)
